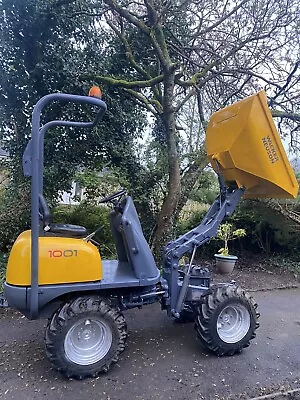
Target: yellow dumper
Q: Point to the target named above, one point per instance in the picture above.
(56, 271)
(244, 146)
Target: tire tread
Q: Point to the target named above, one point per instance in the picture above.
(204, 322)
(64, 316)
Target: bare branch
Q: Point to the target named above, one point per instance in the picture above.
(149, 105)
(226, 16)
(128, 16)
(62, 3)
(288, 80)
(200, 110)
(128, 51)
(191, 93)
(122, 82)
(250, 73)
(282, 114)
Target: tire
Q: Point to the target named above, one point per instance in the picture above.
(226, 320)
(85, 336)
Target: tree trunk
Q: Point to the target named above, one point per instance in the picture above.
(190, 180)
(165, 219)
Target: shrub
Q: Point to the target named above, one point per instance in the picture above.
(268, 231)
(3, 262)
(14, 214)
(227, 233)
(92, 217)
(189, 220)
(290, 263)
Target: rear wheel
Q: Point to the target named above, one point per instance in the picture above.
(85, 337)
(226, 320)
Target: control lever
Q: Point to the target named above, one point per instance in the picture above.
(91, 235)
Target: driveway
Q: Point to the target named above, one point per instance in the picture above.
(163, 360)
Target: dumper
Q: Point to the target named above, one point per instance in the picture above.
(55, 271)
(243, 145)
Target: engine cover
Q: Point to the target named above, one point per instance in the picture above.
(61, 260)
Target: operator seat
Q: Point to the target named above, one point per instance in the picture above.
(62, 230)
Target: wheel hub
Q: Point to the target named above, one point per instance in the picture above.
(86, 332)
(88, 341)
(85, 335)
(233, 323)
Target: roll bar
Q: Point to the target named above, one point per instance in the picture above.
(33, 165)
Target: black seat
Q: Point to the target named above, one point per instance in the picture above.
(67, 230)
(63, 230)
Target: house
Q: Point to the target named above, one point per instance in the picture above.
(74, 196)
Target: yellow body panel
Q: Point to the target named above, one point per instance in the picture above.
(61, 260)
(242, 143)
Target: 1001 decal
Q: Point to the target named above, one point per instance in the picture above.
(62, 253)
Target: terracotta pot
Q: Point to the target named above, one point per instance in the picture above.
(225, 264)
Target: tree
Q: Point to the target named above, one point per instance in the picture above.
(214, 51)
(43, 47)
(177, 60)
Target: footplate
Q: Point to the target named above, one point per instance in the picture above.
(3, 301)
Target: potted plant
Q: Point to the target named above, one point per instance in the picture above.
(224, 261)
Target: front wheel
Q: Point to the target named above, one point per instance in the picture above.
(85, 336)
(226, 320)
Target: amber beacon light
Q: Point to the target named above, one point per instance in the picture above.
(95, 91)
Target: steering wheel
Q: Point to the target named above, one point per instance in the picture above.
(113, 196)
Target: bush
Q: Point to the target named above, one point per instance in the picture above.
(14, 214)
(291, 263)
(3, 262)
(190, 221)
(268, 231)
(92, 217)
(14, 219)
